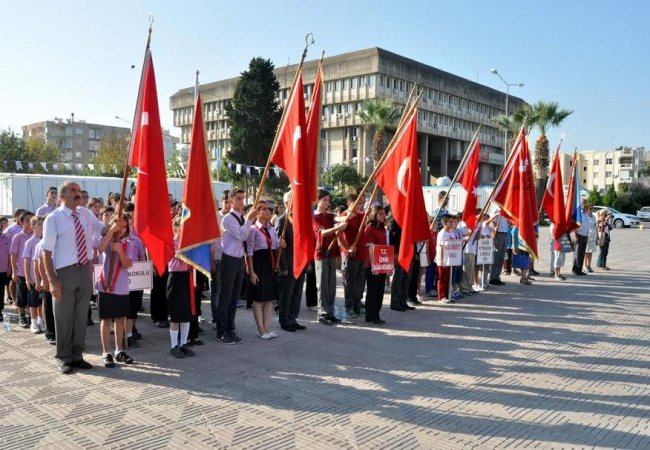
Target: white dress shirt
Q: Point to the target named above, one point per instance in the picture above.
(60, 238)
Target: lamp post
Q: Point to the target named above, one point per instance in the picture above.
(505, 133)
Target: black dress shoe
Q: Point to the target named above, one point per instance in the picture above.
(398, 308)
(81, 364)
(288, 328)
(297, 326)
(193, 342)
(90, 322)
(65, 368)
(408, 308)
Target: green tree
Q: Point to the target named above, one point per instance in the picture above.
(594, 197)
(12, 147)
(512, 123)
(342, 177)
(610, 197)
(113, 151)
(253, 117)
(544, 115)
(379, 114)
(37, 150)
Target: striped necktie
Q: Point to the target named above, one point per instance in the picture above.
(82, 252)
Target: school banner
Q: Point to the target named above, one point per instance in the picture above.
(452, 253)
(383, 259)
(485, 251)
(140, 275)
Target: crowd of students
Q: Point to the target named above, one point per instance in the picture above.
(46, 262)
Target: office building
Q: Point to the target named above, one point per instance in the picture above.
(449, 112)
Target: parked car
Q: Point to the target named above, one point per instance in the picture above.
(644, 213)
(620, 219)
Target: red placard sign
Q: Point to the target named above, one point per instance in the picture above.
(382, 258)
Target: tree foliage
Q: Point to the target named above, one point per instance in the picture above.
(610, 197)
(253, 117)
(113, 151)
(342, 177)
(594, 197)
(379, 114)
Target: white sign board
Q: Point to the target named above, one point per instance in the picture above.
(452, 253)
(485, 251)
(140, 275)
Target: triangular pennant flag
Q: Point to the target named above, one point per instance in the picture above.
(19, 165)
(277, 171)
(44, 166)
(248, 170)
(91, 166)
(30, 166)
(67, 166)
(55, 166)
(238, 168)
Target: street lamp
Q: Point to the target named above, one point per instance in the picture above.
(123, 120)
(505, 133)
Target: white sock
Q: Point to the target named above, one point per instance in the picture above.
(185, 331)
(173, 335)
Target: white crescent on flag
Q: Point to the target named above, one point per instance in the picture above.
(549, 184)
(401, 174)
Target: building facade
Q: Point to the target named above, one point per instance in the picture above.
(605, 168)
(78, 141)
(449, 112)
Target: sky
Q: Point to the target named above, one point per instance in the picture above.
(65, 56)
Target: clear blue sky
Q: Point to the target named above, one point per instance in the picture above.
(69, 56)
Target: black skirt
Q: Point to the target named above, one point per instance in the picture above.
(179, 301)
(113, 306)
(263, 291)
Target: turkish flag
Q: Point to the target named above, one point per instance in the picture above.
(313, 135)
(553, 199)
(469, 180)
(516, 194)
(147, 153)
(199, 227)
(290, 154)
(400, 179)
(573, 206)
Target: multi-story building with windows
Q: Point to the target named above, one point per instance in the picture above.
(605, 168)
(78, 141)
(449, 112)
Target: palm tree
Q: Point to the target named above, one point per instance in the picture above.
(512, 123)
(379, 114)
(546, 115)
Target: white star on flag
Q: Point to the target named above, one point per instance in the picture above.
(145, 119)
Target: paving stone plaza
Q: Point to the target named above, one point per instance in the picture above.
(553, 365)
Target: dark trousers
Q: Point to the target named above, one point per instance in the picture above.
(70, 311)
(215, 286)
(311, 291)
(443, 282)
(374, 294)
(399, 287)
(430, 277)
(4, 279)
(353, 284)
(22, 293)
(581, 248)
(290, 297)
(158, 298)
(414, 279)
(602, 255)
(507, 261)
(500, 244)
(232, 276)
(49, 314)
(198, 296)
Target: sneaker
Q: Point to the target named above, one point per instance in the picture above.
(187, 351)
(272, 334)
(123, 358)
(226, 338)
(22, 321)
(264, 336)
(108, 360)
(131, 342)
(163, 324)
(325, 321)
(42, 327)
(430, 294)
(136, 335)
(35, 329)
(334, 319)
(589, 269)
(177, 352)
(236, 338)
(362, 311)
(350, 312)
(444, 300)
(559, 278)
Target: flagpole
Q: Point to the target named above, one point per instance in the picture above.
(365, 216)
(127, 168)
(309, 40)
(285, 226)
(461, 166)
(391, 146)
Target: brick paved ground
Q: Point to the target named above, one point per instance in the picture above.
(555, 365)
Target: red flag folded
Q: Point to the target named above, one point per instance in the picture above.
(573, 206)
(290, 155)
(516, 195)
(553, 199)
(469, 180)
(151, 217)
(313, 135)
(199, 227)
(400, 180)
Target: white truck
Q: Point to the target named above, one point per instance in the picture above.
(27, 191)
